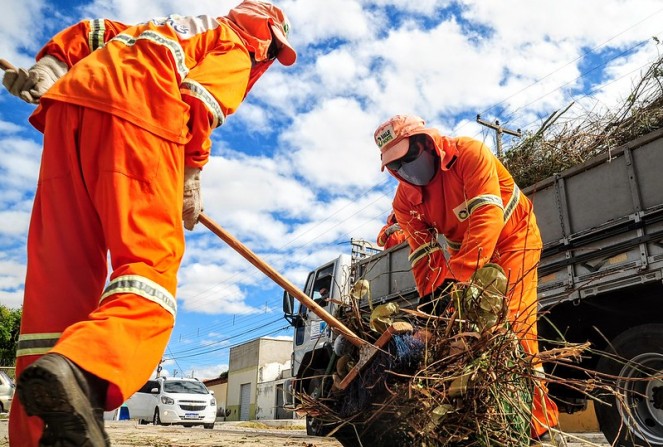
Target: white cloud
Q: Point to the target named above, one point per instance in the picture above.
(9, 128)
(314, 22)
(237, 183)
(13, 222)
(333, 146)
(212, 289)
(19, 164)
(11, 282)
(130, 11)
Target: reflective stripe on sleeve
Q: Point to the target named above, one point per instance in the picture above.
(36, 344)
(196, 90)
(512, 203)
(173, 46)
(139, 285)
(465, 209)
(453, 245)
(422, 251)
(95, 38)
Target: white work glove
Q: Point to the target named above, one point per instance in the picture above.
(193, 203)
(30, 85)
(391, 229)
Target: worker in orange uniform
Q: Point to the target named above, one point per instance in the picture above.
(457, 188)
(127, 113)
(391, 233)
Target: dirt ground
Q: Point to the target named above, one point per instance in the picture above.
(130, 434)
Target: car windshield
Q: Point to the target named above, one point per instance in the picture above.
(184, 386)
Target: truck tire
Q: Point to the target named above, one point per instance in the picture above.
(636, 418)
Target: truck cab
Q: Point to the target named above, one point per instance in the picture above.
(326, 285)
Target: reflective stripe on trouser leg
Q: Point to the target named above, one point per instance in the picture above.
(144, 287)
(522, 302)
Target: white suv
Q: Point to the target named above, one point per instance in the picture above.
(6, 392)
(167, 400)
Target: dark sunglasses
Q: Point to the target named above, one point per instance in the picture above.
(416, 148)
(273, 50)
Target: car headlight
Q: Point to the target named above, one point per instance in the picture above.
(212, 402)
(167, 400)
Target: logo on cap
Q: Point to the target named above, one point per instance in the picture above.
(385, 136)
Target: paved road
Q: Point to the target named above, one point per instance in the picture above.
(130, 434)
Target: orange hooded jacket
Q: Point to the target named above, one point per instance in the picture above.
(474, 203)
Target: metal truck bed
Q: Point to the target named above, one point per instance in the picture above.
(602, 222)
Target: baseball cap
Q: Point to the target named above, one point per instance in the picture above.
(252, 16)
(393, 136)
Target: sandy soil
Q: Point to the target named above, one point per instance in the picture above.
(226, 434)
(131, 434)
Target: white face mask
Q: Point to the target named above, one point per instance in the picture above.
(419, 171)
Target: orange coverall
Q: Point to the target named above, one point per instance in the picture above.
(391, 234)
(474, 202)
(137, 104)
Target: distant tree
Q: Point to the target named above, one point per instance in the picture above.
(10, 323)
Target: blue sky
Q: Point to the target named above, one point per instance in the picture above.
(294, 174)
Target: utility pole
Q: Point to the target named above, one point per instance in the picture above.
(499, 131)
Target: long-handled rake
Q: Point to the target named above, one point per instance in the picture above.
(367, 351)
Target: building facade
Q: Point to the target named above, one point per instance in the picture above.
(256, 372)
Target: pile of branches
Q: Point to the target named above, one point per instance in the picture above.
(458, 379)
(562, 142)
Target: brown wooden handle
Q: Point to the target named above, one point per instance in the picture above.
(280, 280)
(5, 65)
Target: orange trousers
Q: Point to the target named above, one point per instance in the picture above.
(107, 191)
(520, 268)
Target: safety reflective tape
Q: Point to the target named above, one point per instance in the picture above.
(173, 46)
(512, 203)
(196, 90)
(485, 199)
(95, 38)
(141, 286)
(453, 245)
(36, 344)
(423, 251)
(465, 209)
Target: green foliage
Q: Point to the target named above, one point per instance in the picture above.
(10, 323)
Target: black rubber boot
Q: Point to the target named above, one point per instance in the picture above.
(68, 400)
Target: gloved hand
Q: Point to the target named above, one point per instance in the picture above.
(30, 85)
(436, 303)
(193, 203)
(391, 229)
